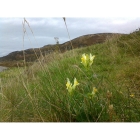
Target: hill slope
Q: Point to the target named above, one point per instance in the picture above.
(108, 90)
(32, 54)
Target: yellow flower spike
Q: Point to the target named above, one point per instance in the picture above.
(71, 87)
(68, 84)
(75, 83)
(84, 60)
(83, 57)
(91, 59)
(91, 95)
(132, 95)
(94, 90)
(87, 60)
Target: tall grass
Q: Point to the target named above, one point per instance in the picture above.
(38, 93)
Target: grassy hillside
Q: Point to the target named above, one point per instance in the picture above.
(33, 54)
(108, 90)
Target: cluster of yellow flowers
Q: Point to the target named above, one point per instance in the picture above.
(71, 87)
(87, 60)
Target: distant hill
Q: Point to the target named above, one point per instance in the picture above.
(31, 54)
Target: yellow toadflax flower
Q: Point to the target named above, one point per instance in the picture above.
(87, 60)
(91, 59)
(75, 83)
(132, 95)
(84, 60)
(71, 87)
(93, 92)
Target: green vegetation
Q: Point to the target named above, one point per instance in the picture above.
(108, 91)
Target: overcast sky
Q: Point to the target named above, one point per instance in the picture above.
(45, 29)
(82, 17)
